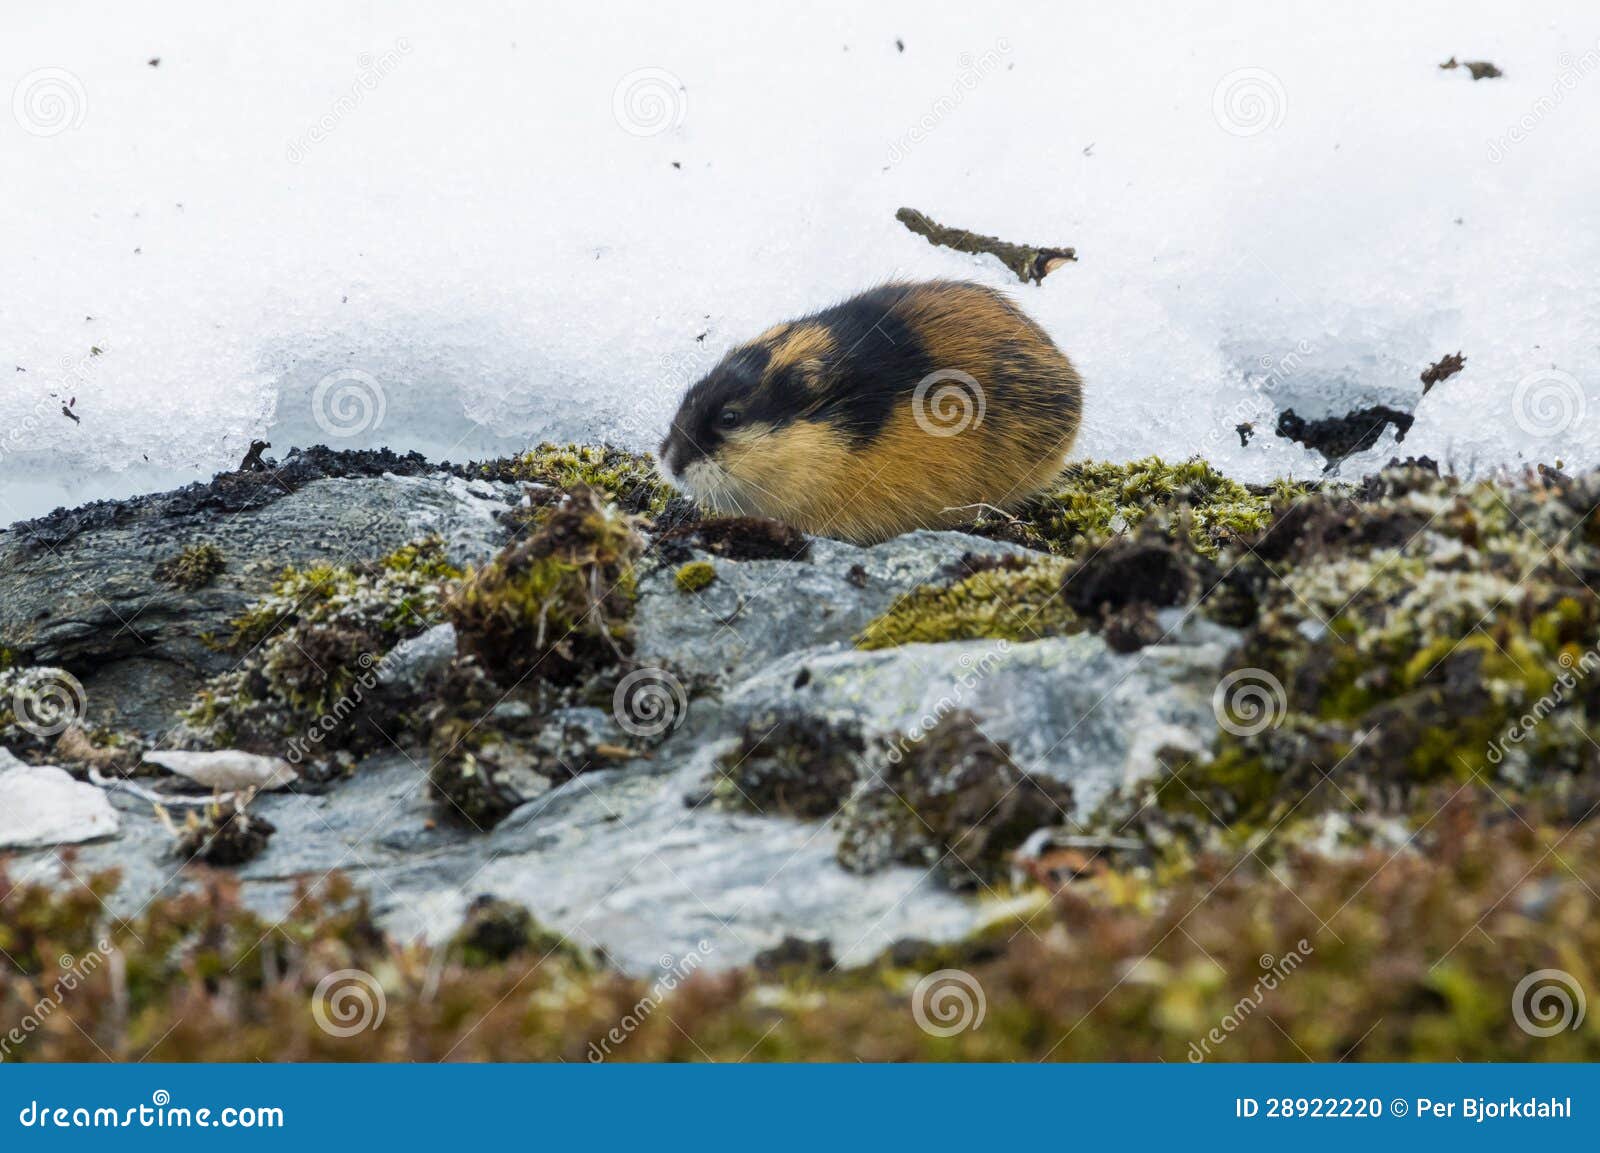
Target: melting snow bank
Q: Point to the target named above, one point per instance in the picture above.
(1257, 229)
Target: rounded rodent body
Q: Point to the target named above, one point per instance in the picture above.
(908, 406)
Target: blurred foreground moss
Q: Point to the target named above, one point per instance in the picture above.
(1372, 956)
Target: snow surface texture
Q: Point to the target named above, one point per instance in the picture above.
(461, 230)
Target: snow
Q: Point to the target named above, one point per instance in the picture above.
(408, 225)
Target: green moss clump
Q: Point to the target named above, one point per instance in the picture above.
(1095, 499)
(1005, 602)
(696, 575)
(556, 606)
(193, 568)
(310, 650)
(630, 479)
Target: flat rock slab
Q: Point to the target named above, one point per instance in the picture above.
(91, 603)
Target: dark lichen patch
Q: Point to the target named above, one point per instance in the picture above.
(1005, 601)
(223, 833)
(741, 538)
(954, 802)
(193, 568)
(789, 764)
(695, 576)
(630, 479)
(1337, 437)
(556, 607)
(1094, 500)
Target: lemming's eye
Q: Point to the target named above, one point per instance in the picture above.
(728, 418)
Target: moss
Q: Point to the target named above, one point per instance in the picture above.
(193, 568)
(1374, 956)
(1096, 499)
(557, 606)
(695, 575)
(222, 834)
(310, 648)
(629, 479)
(954, 803)
(791, 764)
(494, 931)
(1014, 603)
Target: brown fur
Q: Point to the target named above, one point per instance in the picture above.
(810, 471)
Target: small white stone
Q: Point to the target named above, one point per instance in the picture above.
(227, 769)
(41, 805)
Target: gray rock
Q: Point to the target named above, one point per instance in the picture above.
(92, 602)
(424, 658)
(757, 611)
